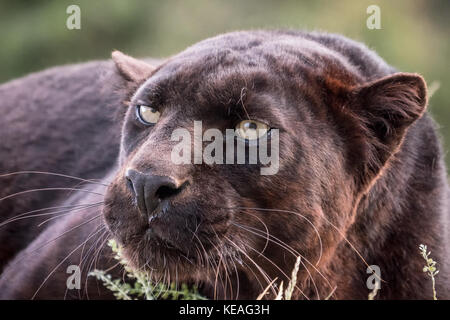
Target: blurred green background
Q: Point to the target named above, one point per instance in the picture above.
(33, 35)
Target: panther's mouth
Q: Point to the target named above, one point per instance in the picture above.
(158, 252)
(157, 249)
(155, 239)
(157, 255)
(162, 209)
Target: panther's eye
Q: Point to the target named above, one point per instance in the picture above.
(147, 115)
(251, 129)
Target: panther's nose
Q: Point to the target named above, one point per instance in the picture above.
(149, 190)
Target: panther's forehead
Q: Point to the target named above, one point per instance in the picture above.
(218, 70)
(265, 50)
(225, 87)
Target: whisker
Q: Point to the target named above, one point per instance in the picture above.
(50, 189)
(237, 279)
(291, 250)
(100, 248)
(263, 294)
(353, 247)
(53, 174)
(59, 236)
(223, 261)
(214, 265)
(327, 221)
(81, 259)
(263, 273)
(59, 264)
(254, 274)
(267, 232)
(97, 230)
(296, 213)
(227, 278)
(95, 256)
(21, 216)
(279, 269)
(66, 214)
(294, 252)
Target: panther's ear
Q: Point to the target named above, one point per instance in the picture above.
(385, 109)
(131, 69)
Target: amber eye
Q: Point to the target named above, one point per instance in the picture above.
(147, 115)
(251, 129)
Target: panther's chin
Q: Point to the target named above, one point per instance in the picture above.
(161, 257)
(164, 259)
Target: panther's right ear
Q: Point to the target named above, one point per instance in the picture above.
(131, 69)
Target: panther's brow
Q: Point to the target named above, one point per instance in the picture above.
(147, 94)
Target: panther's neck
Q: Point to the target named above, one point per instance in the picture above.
(406, 207)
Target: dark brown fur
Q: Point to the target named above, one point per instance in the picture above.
(361, 169)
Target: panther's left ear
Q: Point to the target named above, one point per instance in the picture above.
(131, 69)
(385, 109)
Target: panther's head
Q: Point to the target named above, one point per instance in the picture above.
(186, 206)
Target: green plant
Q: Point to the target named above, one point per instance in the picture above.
(430, 267)
(140, 285)
(374, 292)
(284, 294)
